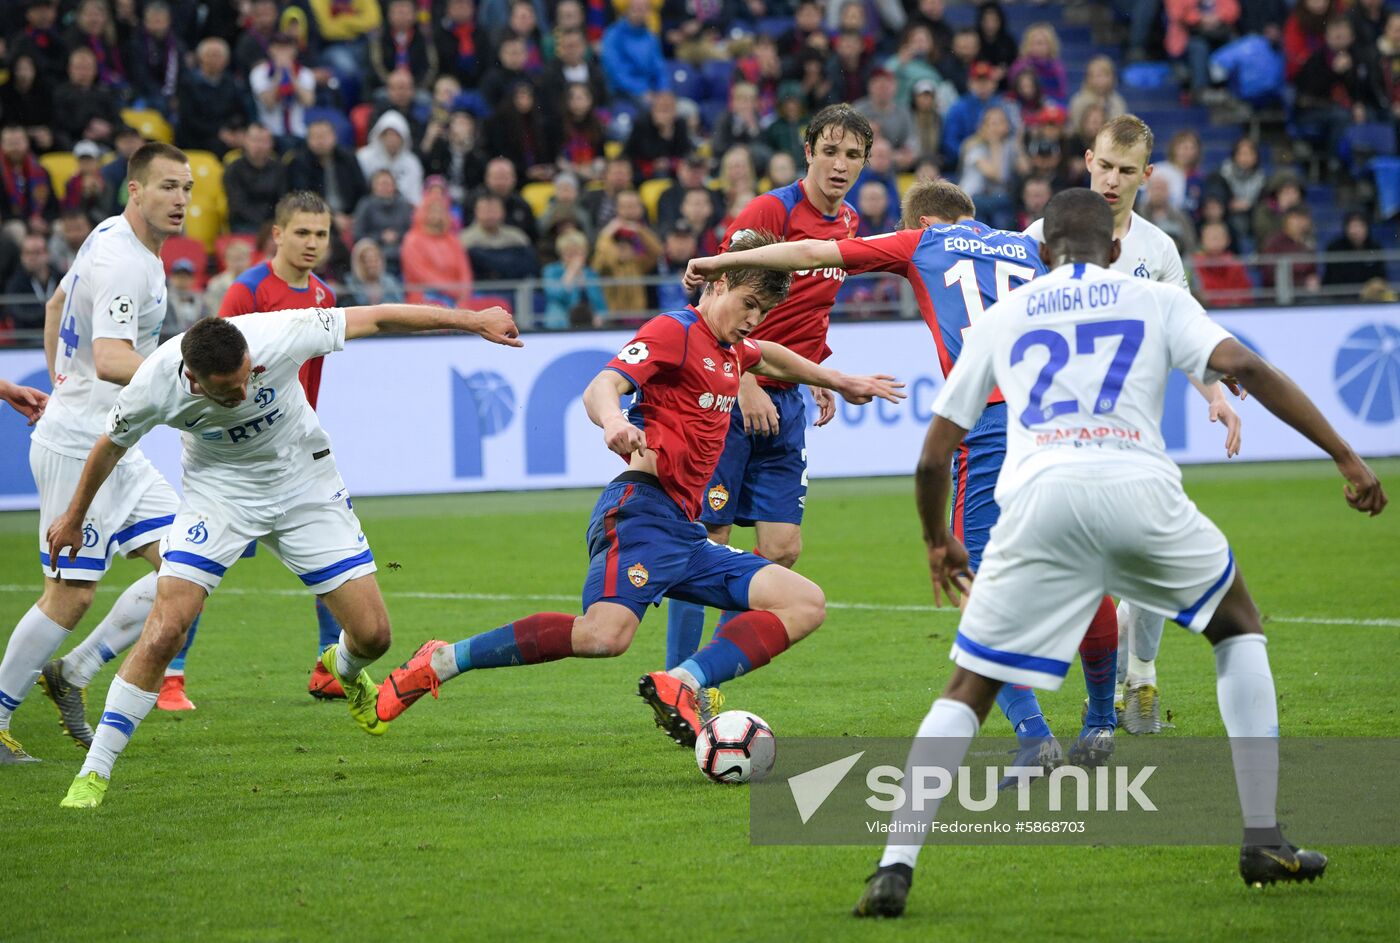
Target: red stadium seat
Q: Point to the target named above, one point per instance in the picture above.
(359, 120)
(221, 245)
(183, 247)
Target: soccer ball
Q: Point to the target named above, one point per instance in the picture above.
(735, 747)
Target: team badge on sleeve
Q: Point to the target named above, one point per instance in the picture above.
(122, 309)
(117, 423)
(638, 575)
(718, 497)
(634, 353)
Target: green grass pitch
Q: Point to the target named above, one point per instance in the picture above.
(541, 803)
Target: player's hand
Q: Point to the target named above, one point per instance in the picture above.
(760, 415)
(26, 400)
(1363, 490)
(624, 438)
(1221, 411)
(65, 532)
(497, 326)
(860, 390)
(826, 405)
(1233, 385)
(947, 566)
(700, 271)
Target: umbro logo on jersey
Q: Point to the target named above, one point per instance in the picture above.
(709, 365)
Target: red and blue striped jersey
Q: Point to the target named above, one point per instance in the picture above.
(260, 289)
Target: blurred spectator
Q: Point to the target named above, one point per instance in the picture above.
(677, 249)
(1355, 237)
(912, 63)
(28, 192)
(929, 15)
(494, 15)
(68, 236)
(400, 95)
(184, 305)
(345, 27)
(369, 283)
(522, 23)
(1195, 29)
(255, 39)
(1158, 209)
(1182, 171)
(1293, 238)
(323, 166)
(1340, 85)
(457, 156)
(1082, 136)
(508, 70)
(1266, 18)
(699, 213)
(992, 163)
(564, 213)
(1378, 291)
(1283, 192)
(1213, 211)
(741, 124)
(446, 98)
(155, 55)
(435, 266)
(283, 89)
(384, 216)
(462, 45)
(582, 139)
(880, 167)
(94, 30)
(1035, 193)
(1239, 183)
(41, 43)
(782, 170)
(1040, 53)
(764, 70)
(602, 202)
(388, 150)
(86, 190)
(659, 140)
(210, 101)
(572, 297)
(520, 132)
(806, 24)
(9, 250)
(403, 43)
(877, 214)
(1100, 88)
(849, 70)
(128, 141)
(737, 174)
(626, 251)
(82, 108)
(956, 67)
(1047, 163)
(815, 81)
(998, 45)
(691, 174)
(886, 16)
(964, 117)
(497, 250)
(1388, 50)
(572, 65)
(1024, 99)
(785, 132)
(34, 279)
(632, 57)
(26, 101)
(1303, 33)
(254, 182)
(890, 118)
(238, 258)
(1368, 21)
(500, 179)
(1222, 277)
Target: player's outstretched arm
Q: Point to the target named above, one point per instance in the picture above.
(53, 318)
(67, 530)
(494, 324)
(796, 256)
(933, 480)
(26, 400)
(1282, 397)
(600, 400)
(779, 363)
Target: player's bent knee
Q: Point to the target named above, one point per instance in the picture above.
(602, 636)
(806, 612)
(67, 601)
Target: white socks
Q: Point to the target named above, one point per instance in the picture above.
(348, 664)
(1245, 689)
(1139, 638)
(444, 663)
(127, 705)
(944, 736)
(114, 634)
(32, 644)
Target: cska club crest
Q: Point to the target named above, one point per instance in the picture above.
(718, 497)
(638, 575)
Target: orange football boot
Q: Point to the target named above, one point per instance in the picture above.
(677, 712)
(323, 684)
(172, 695)
(408, 682)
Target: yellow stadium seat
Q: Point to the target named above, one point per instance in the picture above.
(903, 182)
(612, 149)
(61, 165)
(204, 223)
(650, 192)
(232, 155)
(537, 194)
(151, 124)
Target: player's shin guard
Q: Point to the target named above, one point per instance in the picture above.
(127, 705)
(1145, 629)
(944, 736)
(33, 643)
(1099, 653)
(328, 630)
(1245, 689)
(743, 644)
(533, 640)
(685, 624)
(1018, 703)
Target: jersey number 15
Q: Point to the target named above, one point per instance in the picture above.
(964, 275)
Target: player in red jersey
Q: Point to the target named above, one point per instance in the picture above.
(644, 541)
(761, 480)
(301, 228)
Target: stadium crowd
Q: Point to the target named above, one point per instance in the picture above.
(590, 143)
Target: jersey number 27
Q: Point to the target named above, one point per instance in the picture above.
(1086, 339)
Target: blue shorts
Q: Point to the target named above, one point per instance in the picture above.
(976, 465)
(762, 477)
(641, 547)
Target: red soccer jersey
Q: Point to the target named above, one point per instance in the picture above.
(259, 289)
(687, 383)
(800, 322)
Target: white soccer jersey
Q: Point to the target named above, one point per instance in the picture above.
(269, 447)
(1082, 357)
(115, 289)
(1147, 252)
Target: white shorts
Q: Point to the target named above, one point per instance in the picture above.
(315, 534)
(1066, 539)
(134, 507)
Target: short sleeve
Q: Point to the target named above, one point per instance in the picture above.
(138, 407)
(887, 252)
(764, 212)
(659, 346)
(312, 332)
(973, 377)
(749, 355)
(1036, 230)
(1191, 336)
(1171, 269)
(237, 300)
(118, 291)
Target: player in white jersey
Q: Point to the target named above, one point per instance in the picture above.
(1119, 164)
(1092, 504)
(101, 323)
(257, 466)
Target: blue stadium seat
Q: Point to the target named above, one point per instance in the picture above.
(774, 26)
(717, 75)
(711, 111)
(686, 81)
(344, 132)
(1387, 173)
(473, 102)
